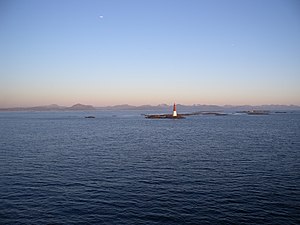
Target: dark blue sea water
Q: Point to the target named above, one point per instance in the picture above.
(119, 168)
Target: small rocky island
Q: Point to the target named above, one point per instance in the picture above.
(256, 112)
(184, 115)
(181, 116)
(164, 116)
(90, 117)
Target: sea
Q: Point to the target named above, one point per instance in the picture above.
(120, 168)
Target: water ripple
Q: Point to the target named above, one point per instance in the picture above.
(58, 168)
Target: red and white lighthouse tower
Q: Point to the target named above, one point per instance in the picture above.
(174, 111)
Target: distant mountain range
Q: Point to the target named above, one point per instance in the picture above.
(52, 107)
(182, 108)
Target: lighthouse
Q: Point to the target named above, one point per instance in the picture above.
(174, 111)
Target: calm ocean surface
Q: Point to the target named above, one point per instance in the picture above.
(119, 168)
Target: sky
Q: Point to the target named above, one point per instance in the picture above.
(110, 52)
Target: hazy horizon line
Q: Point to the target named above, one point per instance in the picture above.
(150, 105)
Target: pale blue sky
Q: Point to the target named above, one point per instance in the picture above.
(149, 52)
